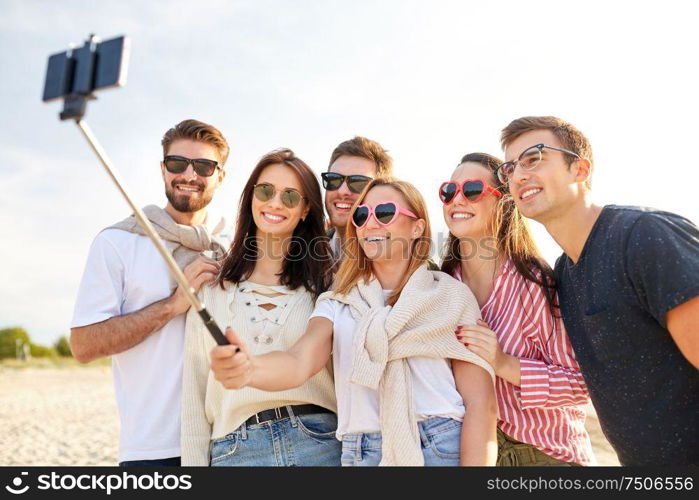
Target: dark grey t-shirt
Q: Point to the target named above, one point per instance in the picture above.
(637, 264)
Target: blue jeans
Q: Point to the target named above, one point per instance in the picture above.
(159, 462)
(440, 439)
(303, 440)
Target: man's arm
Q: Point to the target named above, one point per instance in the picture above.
(683, 324)
(663, 265)
(120, 333)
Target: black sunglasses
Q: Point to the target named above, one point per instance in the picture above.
(178, 164)
(355, 183)
(265, 192)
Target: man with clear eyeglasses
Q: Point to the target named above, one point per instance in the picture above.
(628, 285)
(128, 307)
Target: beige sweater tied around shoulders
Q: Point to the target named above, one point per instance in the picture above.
(421, 323)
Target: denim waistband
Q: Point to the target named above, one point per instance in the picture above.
(426, 428)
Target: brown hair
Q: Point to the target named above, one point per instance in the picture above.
(569, 136)
(365, 148)
(309, 256)
(356, 265)
(513, 237)
(194, 130)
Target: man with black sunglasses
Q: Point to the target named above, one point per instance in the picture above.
(128, 307)
(628, 285)
(353, 163)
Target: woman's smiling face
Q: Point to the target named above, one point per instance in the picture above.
(272, 216)
(393, 241)
(466, 219)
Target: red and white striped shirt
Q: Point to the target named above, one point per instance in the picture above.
(546, 410)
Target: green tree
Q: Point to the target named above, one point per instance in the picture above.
(62, 347)
(41, 351)
(8, 341)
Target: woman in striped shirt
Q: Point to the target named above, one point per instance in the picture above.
(539, 387)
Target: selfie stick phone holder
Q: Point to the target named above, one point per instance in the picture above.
(74, 75)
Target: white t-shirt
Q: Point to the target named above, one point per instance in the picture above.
(125, 273)
(434, 389)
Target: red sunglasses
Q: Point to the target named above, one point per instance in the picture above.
(385, 213)
(472, 189)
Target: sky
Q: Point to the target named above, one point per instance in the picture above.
(429, 80)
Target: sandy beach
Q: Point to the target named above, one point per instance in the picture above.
(67, 416)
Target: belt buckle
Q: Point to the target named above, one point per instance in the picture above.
(277, 416)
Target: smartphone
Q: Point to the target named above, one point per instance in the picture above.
(95, 66)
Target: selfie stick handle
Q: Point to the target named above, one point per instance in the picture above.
(153, 235)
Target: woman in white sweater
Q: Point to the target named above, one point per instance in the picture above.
(267, 293)
(408, 392)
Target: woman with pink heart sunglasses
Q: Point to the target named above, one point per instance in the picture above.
(540, 390)
(408, 391)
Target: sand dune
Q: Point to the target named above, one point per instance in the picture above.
(68, 416)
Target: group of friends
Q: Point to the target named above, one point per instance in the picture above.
(350, 345)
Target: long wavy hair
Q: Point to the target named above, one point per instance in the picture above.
(513, 237)
(308, 258)
(357, 266)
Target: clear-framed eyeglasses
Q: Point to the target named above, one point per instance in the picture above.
(528, 160)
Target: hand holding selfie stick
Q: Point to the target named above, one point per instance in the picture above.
(73, 75)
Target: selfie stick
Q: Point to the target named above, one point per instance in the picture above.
(75, 105)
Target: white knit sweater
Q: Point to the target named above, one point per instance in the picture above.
(208, 410)
(421, 323)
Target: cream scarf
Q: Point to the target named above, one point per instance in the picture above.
(185, 243)
(421, 323)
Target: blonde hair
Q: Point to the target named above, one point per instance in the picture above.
(356, 266)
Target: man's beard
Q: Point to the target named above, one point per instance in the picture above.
(186, 204)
